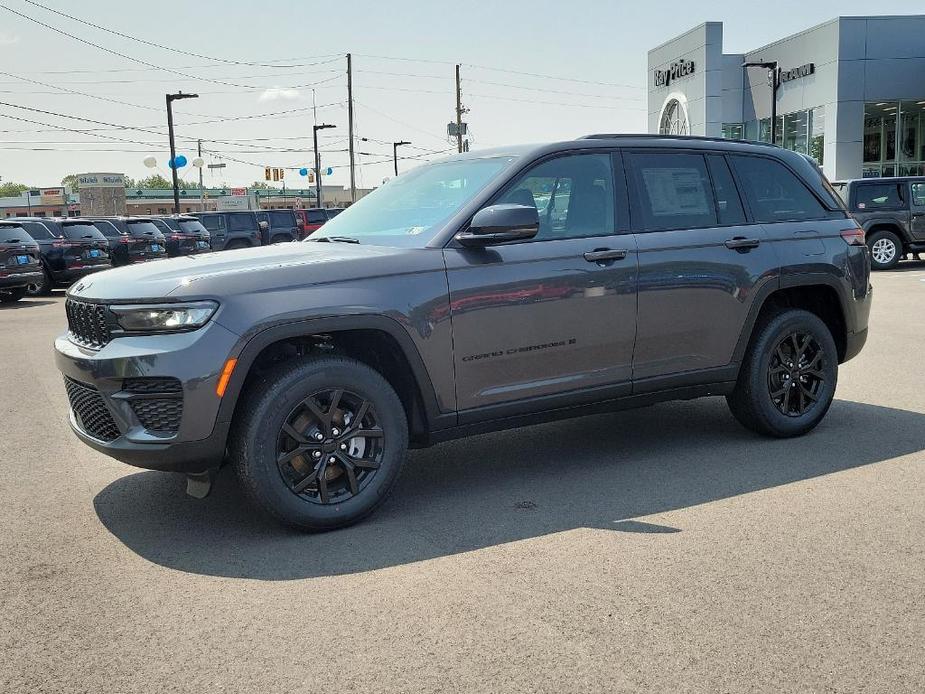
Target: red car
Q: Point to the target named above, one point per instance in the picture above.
(312, 219)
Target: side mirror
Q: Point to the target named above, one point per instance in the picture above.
(501, 223)
(263, 226)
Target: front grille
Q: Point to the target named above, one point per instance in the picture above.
(90, 410)
(152, 384)
(159, 414)
(87, 323)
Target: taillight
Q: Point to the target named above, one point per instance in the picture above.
(853, 236)
(125, 239)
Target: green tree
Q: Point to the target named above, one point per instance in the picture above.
(70, 182)
(158, 182)
(259, 185)
(11, 190)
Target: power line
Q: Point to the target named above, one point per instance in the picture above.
(559, 103)
(400, 122)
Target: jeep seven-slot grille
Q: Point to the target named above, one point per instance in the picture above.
(87, 323)
(90, 411)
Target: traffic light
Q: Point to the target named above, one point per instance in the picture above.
(266, 173)
(275, 174)
(282, 172)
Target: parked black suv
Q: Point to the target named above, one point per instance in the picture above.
(282, 226)
(132, 239)
(493, 289)
(20, 262)
(892, 213)
(232, 230)
(70, 249)
(183, 234)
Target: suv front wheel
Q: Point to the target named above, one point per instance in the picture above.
(320, 442)
(788, 378)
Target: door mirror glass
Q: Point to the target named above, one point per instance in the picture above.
(501, 223)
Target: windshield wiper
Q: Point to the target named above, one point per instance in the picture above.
(335, 239)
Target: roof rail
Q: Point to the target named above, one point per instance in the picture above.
(657, 136)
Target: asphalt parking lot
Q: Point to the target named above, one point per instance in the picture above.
(663, 550)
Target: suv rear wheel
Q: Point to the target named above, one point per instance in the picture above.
(320, 442)
(787, 381)
(885, 250)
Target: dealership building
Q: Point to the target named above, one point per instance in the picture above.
(849, 92)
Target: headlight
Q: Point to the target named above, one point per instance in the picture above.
(164, 317)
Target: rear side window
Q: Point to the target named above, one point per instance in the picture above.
(191, 226)
(38, 231)
(13, 234)
(878, 196)
(728, 206)
(241, 222)
(674, 191)
(918, 194)
(107, 228)
(316, 217)
(282, 219)
(774, 193)
(82, 231)
(213, 222)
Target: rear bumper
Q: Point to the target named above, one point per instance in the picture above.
(20, 279)
(72, 274)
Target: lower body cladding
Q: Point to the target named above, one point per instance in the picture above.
(150, 402)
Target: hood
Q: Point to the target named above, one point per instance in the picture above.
(249, 270)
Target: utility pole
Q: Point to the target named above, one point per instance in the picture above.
(202, 202)
(395, 146)
(173, 148)
(353, 185)
(459, 112)
(315, 129)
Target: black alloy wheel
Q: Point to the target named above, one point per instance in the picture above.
(330, 446)
(796, 374)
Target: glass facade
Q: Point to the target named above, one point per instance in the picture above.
(734, 131)
(894, 138)
(801, 131)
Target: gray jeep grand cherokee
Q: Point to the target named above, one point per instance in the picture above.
(489, 290)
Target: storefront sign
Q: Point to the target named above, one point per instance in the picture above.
(679, 68)
(52, 196)
(101, 180)
(797, 72)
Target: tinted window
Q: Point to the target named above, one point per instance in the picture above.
(879, 196)
(81, 231)
(144, 228)
(918, 194)
(163, 225)
(191, 226)
(728, 205)
(774, 193)
(316, 217)
(573, 196)
(334, 211)
(282, 219)
(241, 222)
(213, 222)
(13, 234)
(673, 191)
(107, 227)
(37, 230)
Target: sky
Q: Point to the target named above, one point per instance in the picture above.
(532, 71)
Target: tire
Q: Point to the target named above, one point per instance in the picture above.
(289, 490)
(41, 288)
(886, 249)
(10, 296)
(756, 401)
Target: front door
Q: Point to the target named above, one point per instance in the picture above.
(554, 314)
(700, 265)
(917, 206)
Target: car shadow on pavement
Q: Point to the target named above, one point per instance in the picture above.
(24, 303)
(594, 472)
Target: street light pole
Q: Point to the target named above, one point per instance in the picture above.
(315, 129)
(772, 66)
(395, 146)
(173, 148)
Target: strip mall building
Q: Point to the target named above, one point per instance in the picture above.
(850, 92)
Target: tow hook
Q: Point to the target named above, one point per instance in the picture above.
(199, 484)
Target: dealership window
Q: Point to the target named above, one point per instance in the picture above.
(801, 131)
(894, 138)
(734, 131)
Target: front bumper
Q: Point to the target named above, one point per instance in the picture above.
(195, 359)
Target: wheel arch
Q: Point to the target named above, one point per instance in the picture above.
(378, 341)
(874, 225)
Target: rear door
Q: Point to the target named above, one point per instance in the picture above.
(215, 224)
(917, 207)
(701, 264)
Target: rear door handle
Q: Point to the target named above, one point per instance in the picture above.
(604, 254)
(740, 243)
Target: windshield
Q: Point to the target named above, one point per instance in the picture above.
(410, 209)
(192, 226)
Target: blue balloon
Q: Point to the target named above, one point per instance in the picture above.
(177, 163)
(329, 171)
(303, 171)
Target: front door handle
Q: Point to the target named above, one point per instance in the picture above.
(600, 255)
(740, 243)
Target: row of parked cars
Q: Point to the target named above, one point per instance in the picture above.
(39, 253)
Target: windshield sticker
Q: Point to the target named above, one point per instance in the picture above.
(414, 231)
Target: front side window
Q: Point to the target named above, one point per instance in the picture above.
(880, 196)
(774, 193)
(213, 222)
(918, 194)
(241, 222)
(673, 191)
(573, 196)
(281, 219)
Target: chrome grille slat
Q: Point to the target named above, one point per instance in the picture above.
(87, 323)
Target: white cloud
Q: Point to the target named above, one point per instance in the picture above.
(280, 94)
(8, 39)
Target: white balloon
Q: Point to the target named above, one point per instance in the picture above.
(199, 162)
(150, 162)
